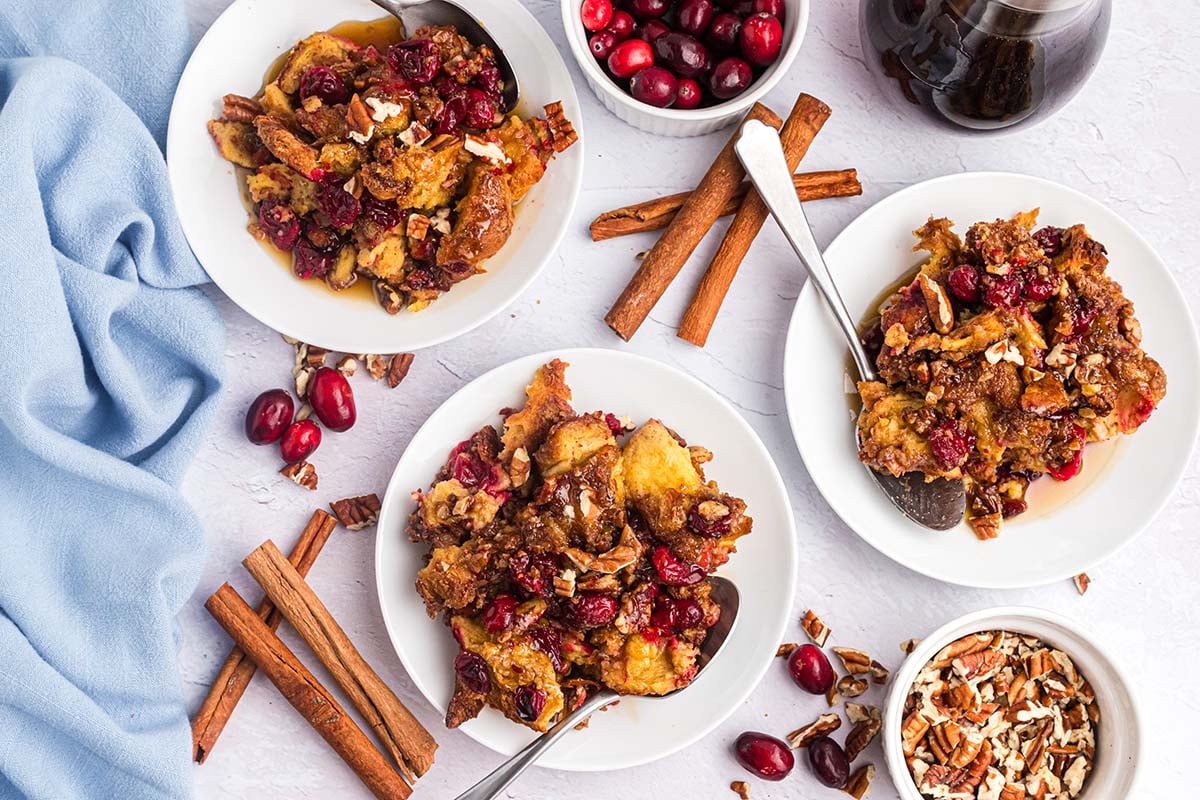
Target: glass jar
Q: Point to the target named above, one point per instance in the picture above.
(983, 66)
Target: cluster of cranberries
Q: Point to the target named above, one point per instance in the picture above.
(687, 53)
(971, 284)
(271, 417)
(771, 758)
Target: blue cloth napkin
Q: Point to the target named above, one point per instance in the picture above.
(109, 366)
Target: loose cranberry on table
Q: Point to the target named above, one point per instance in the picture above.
(810, 669)
(730, 77)
(299, 441)
(694, 16)
(648, 9)
(723, 32)
(630, 57)
(688, 95)
(683, 54)
(621, 25)
(829, 762)
(596, 14)
(332, 399)
(654, 86)
(601, 43)
(767, 757)
(761, 39)
(651, 29)
(268, 416)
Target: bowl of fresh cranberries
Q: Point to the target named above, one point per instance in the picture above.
(683, 67)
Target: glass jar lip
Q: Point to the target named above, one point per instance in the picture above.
(1044, 6)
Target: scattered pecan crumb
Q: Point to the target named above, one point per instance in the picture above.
(303, 376)
(861, 735)
(1082, 582)
(741, 788)
(583, 725)
(856, 662)
(377, 365)
(786, 649)
(849, 686)
(860, 782)
(398, 368)
(347, 365)
(356, 513)
(908, 645)
(389, 297)
(821, 726)
(817, 630)
(305, 412)
(857, 712)
(879, 673)
(832, 697)
(302, 473)
(315, 356)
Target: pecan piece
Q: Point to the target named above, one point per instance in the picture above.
(564, 583)
(398, 368)
(941, 312)
(912, 730)
(860, 736)
(786, 649)
(347, 366)
(240, 109)
(389, 297)
(562, 132)
(301, 473)
(850, 686)
(377, 365)
(908, 645)
(817, 630)
(856, 662)
(860, 782)
(857, 712)
(741, 788)
(358, 120)
(1082, 582)
(356, 513)
(879, 673)
(821, 726)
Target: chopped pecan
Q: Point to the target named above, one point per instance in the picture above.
(562, 132)
(856, 662)
(564, 583)
(315, 356)
(389, 297)
(971, 643)
(913, 730)
(860, 781)
(1082, 582)
(358, 120)
(849, 686)
(377, 365)
(879, 673)
(417, 226)
(301, 473)
(860, 736)
(857, 712)
(817, 630)
(941, 312)
(821, 726)
(303, 376)
(908, 645)
(786, 649)
(356, 513)
(741, 788)
(398, 368)
(347, 365)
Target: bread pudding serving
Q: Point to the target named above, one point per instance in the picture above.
(571, 551)
(1006, 354)
(397, 164)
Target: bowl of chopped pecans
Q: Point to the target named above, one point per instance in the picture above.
(1007, 703)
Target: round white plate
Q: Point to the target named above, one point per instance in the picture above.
(1069, 526)
(637, 730)
(233, 56)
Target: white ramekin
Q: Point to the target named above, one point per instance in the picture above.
(1119, 736)
(673, 121)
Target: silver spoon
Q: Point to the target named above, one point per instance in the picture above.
(937, 504)
(415, 13)
(724, 594)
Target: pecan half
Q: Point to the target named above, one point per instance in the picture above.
(398, 368)
(356, 513)
(562, 132)
(860, 736)
(240, 109)
(857, 712)
(301, 473)
(821, 726)
(358, 120)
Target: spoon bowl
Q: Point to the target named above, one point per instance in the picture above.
(724, 593)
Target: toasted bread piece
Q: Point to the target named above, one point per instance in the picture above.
(660, 478)
(236, 142)
(288, 147)
(320, 49)
(572, 442)
(548, 402)
(513, 662)
(483, 220)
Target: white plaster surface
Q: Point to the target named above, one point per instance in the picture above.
(1128, 139)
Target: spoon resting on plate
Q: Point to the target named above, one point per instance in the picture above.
(724, 594)
(938, 504)
(415, 13)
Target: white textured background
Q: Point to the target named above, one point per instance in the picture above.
(1128, 139)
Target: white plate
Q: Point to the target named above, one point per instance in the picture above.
(636, 731)
(232, 57)
(1070, 526)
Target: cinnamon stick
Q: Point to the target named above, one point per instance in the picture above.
(402, 735)
(803, 124)
(305, 693)
(679, 240)
(231, 682)
(656, 214)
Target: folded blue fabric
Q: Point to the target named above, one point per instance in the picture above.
(109, 366)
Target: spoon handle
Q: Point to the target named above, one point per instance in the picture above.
(492, 785)
(761, 154)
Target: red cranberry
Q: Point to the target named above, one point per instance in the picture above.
(332, 399)
(1042, 287)
(614, 424)
(549, 641)
(596, 14)
(1049, 239)
(415, 60)
(473, 671)
(310, 261)
(489, 79)
(268, 416)
(324, 83)
(299, 441)
(384, 213)
(648, 9)
(723, 32)
(621, 25)
(713, 529)
(651, 29)
(810, 669)
(341, 206)
(1002, 292)
(535, 574)
(280, 223)
(1082, 319)
(695, 16)
(654, 86)
(687, 95)
(676, 615)
(481, 109)
(673, 570)
(764, 755)
(772, 7)
(453, 115)
(629, 57)
(1069, 469)
(761, 39)
(592, 610)
(529, 701)
(602, 43)
(1010, 508)
(499, 614)
(828, 761)
(964, 283)
(730, 78)
(950, 444)
(682, 53)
